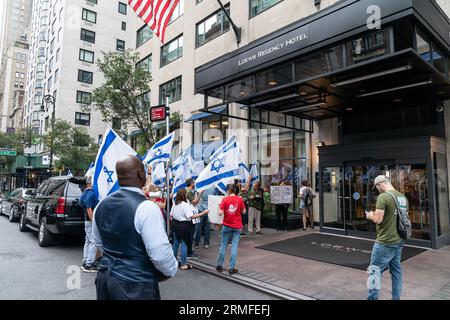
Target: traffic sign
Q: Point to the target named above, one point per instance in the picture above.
(158, 113)
(8, 152)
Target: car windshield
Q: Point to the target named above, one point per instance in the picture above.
(29, 192)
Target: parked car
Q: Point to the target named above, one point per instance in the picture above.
(54, 210)
(14, 202)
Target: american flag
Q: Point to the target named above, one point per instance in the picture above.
(155, 13)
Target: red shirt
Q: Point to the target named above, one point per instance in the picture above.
(232, 207)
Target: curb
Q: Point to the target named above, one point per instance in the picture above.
(275, 291)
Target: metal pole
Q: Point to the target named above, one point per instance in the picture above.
(53, 129)
(167, 170)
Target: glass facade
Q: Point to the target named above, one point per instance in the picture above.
(441, 185)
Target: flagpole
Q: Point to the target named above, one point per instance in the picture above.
(167, 171)
(236, 29)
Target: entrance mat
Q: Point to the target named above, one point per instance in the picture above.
(348, 252)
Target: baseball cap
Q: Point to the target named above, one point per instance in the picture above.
(380, 179)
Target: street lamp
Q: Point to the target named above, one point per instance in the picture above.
(45, 101)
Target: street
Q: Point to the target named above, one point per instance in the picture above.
(28, 272)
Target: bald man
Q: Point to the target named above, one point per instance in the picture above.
(136, 251)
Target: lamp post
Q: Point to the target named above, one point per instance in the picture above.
(50, 99)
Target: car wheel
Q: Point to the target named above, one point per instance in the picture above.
(45, 238)
(23, 222)
(11, 215)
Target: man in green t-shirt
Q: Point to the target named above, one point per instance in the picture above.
(387, 250)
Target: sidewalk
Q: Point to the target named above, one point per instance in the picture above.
(425, 276)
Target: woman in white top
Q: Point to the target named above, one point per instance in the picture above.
(182, 214)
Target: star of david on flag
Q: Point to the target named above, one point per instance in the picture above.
(161, 151)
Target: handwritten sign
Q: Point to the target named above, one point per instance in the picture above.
(213, 205)
(281, 194)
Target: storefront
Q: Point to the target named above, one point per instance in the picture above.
(372, 101)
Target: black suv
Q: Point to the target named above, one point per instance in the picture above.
(54, 209)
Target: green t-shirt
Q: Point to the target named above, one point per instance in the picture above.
(255, 203)
(387, 230)
(190, 195)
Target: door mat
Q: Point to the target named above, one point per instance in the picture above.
(348, 252)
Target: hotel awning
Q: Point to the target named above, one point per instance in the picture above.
(203, 115)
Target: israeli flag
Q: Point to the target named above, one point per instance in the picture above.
(223, 168)
(113, 148)
(196, 168)
(254, 173)
(90, 170)
(161, 151)
(230, 143)
(243, 173)
(159, 175)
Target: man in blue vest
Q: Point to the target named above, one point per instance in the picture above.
(136, 251)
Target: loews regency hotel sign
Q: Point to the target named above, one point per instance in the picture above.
(285, 45)
(254, 55)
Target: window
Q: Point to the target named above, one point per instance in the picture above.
(213, 26)
(172, 89)
(83, 119)
(145, 63)
(122, 8)
(124, 26)
(258, 6)
(87, 56)
(143, 101)
(83, 97)
(179, 10)
(143, 35)
(117, 124)
(85, 76)
(120, 45)
(56, 75)
(57, 54)
(92, 1)
(198, 1)
(16, 84)
(172, 51)
(89, 16)
(50, 83)
(50, 65)
(87, 35)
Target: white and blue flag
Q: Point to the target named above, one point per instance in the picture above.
(90, 170)
(244, 173)
(223, 168)
(113, 148)
(159, 175)
(161, 151)
(254, 173)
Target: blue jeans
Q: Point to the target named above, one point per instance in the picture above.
(204, 223)
(89, 250)
(385, 256)
(227, 235)
(176, 243)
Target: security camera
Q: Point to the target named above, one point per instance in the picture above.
(339, 122)
(439, 108)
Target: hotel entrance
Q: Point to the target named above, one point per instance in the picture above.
(347, 193)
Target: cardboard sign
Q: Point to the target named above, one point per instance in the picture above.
(281, 194)
(213, 205)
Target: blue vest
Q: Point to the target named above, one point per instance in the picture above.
(124, 253)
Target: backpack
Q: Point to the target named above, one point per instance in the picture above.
(308, 198)
(404, 226)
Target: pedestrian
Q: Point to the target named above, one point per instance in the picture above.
(387, 250)
(182, 214)
(256, 204)
(281, 211)
(194, 199)
(243, 193)
(88, 201)
(203, 227)
(306, 196)
(232, 207)
(136, 251)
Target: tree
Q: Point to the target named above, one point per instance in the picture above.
(72, 145)
(124, 94)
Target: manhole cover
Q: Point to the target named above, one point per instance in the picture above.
(11, 255)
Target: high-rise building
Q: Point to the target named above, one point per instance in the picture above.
(13, 56)
(67, 39)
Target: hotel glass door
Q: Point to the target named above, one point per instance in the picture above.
(348, 190)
